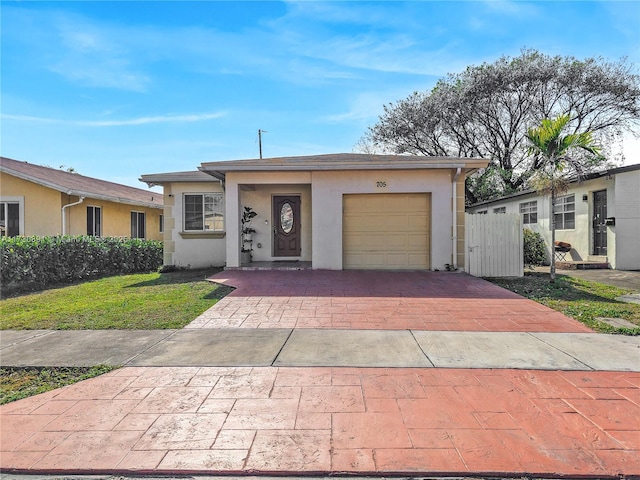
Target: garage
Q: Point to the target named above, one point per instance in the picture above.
(386, 231)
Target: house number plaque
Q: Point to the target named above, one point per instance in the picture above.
(381, 184)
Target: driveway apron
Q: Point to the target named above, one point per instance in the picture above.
(413, 419)
(376, 300)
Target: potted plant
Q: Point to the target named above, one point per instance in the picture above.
(247, 216)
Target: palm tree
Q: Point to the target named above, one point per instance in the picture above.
(554, 150)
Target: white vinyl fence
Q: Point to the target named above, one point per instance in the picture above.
(494, 245)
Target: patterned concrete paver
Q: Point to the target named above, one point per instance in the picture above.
(321, 420)
(330, 420)
(437, 301)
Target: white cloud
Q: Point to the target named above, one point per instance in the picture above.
(81, 50)
(299, 47)
(394, 37)
(397, 53)
(364, 107)
(170, 118)
(93, 55)
(28, 118)
(199, 117)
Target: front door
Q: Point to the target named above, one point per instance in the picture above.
(599, 225)
(286, 226)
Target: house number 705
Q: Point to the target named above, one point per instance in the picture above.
(381, 184)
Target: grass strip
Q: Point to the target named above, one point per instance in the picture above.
(138, 301)
(22, 382)
(580, 299)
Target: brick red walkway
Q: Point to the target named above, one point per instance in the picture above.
(375, 300)
(330, 420)
(319, 420)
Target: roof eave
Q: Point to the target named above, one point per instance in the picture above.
(217, 170)
(109, 198)
(33, 179)
(77, 193)
(161, 179)
(586, 178)
(217, 174)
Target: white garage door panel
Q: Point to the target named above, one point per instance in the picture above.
(386, 231)
(416, 259)
(417, 221)
(397, 242)
(417, 241)
(353, 242)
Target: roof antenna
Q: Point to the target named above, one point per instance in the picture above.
(260, 132)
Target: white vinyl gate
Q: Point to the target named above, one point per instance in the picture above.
(494, 245)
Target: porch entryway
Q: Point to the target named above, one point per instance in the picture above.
(280, 229)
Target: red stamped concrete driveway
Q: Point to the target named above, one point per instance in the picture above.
(319, 420)
(376, 300)
(383, 421)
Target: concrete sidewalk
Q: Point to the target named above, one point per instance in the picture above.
(320, 348)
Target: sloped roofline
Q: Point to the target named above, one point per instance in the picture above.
(153, 179)
(80, 185)
(590, 176)
(341, 161)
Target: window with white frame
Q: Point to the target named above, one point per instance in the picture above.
(204, 212)
(9, 219)
(529, 212)
(481, 212)
(161, 223)
(137, 225)
(564, 212)
(500, 210)
(94, 221)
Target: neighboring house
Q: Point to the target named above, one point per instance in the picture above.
(599, 216)
(340, 211)
(36, 200)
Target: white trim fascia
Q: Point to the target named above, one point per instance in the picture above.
(79, 193)
(330, 167)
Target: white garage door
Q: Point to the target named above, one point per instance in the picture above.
(386, 231)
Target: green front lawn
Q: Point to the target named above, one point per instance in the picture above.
(139, 301)
(580, 299)
(17, 383)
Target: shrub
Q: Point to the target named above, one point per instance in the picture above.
(29, 263)
(535, 252)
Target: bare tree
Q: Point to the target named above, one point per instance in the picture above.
(486, 110)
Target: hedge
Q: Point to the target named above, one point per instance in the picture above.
(535, 252)
(30, 263)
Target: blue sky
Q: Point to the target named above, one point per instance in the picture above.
(119, 89)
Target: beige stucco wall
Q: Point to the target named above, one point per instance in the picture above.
(187, 249)
(116, 218)
(43, 211)
(321, 195)
(42, 205)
